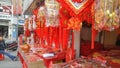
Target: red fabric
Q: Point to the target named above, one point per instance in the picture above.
(60, 35)
(50, 36)
(65, 37)
(56, 37)
(114, 65)
(42, 36)
(46, 35)
(85, 48)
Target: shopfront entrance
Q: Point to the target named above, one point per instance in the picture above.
(4, 31)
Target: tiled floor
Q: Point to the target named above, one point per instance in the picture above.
(8, 63)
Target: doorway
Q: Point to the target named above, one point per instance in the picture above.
(4, 31)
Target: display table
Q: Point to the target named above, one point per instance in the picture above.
(36, 60)
(27, 61)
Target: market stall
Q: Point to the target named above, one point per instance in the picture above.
(49, 32)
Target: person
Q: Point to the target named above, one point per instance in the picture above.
(3, 51)
(118, 40)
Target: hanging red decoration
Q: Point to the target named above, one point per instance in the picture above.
(74, 23)
(94, 34)
(27, 31)
(65, 37)
(75, 7)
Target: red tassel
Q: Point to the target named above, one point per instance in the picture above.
(94, 34)
(60, 37)
(57, 38)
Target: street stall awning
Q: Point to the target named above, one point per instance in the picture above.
(27, 10)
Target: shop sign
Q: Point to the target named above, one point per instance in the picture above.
(7, 17)
(21, 22)
(5, 10)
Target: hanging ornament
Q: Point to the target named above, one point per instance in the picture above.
(41, 16)
(99, 14)
(26, 28)
(106, 14)
(52, 11)
(111, 15)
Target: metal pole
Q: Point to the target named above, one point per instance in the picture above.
(17, 21)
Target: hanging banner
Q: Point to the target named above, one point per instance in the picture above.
(52, 12)
(107, 15)
(75, 7)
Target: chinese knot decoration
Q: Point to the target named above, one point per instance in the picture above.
(74, 23)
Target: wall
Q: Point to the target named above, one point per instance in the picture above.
(110, 38)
